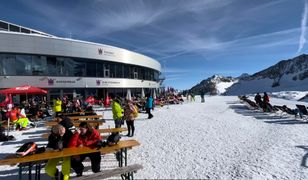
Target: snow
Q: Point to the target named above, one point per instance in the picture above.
(291, 95)
(265, 85)
(218, 139)
(222, 86)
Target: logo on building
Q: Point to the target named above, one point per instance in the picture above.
(51, 81)
(98, 82)
(100, 51)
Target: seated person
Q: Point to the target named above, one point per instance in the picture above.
(20, 120)
(89, 137)
(290, 111)
(57, 142)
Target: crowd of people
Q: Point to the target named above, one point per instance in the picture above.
(65, 135)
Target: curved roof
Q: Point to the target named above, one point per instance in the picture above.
(40, 43)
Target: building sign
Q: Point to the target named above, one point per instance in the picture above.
(53, 81)
(98, 82)
(101, 51)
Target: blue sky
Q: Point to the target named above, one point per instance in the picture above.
(192, 39)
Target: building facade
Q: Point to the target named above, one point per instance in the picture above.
(72, 67)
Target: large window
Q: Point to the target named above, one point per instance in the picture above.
(91, 69)
(36, 65)
(119, 70)
(8, 64)
(100, 69)
(39, 64)
(23, 65)
(52, 65)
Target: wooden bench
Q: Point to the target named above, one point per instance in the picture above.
(126, 171)
(86, 117)
(121, 147)
(76, 123)
(77, 113)
(45, 136)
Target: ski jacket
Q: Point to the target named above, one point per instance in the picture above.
(14, 115)
(90, 139)
(58, 106)
(117, 111)
(149, 103)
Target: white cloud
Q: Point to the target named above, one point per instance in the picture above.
(302, 39)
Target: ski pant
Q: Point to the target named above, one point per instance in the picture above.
(23, 122)
(148, 110)
(95, 162)
(51, 168)
(118, 123)
(130, 127)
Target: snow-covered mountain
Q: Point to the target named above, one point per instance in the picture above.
(286, 75)
(213, 85)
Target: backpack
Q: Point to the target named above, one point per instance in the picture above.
(26, 149)
(113, 139)
(135, 111)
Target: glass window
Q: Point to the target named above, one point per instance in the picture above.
(39, 64)
(147, 74)
(25, 30)
(106, 70)
(135, 72)
(119, 70)
(69, 65)
(4, 26)
(126, 70)
(141, 73)
(60, 66)
(156, 75)
(14, 28)
(79, 68)
(112, 70)
(23, 65)
(100, 69)
(91, 69)
(8, 63)
(52, 65)
(66, 67)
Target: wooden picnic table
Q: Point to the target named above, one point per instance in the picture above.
(77, 113)
(94, 123)
(122, 147)
(74, 118)
(45, 136)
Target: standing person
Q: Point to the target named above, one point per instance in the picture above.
(149, 106)
(57, 142)
(130, 112)
(88, 137)
(117, 112)
(258, 100)
(202, 96)
(193, 96)
(58, 106)
(267, 107)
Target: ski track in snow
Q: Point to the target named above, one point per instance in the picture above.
(218, 139)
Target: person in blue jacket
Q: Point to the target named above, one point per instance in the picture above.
(149, 106)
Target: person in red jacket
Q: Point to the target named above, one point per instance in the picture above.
(89, 137)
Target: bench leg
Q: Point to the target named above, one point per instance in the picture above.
(38, 171)
(20, 172)
(30, 171)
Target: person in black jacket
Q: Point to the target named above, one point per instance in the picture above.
(57, 140)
